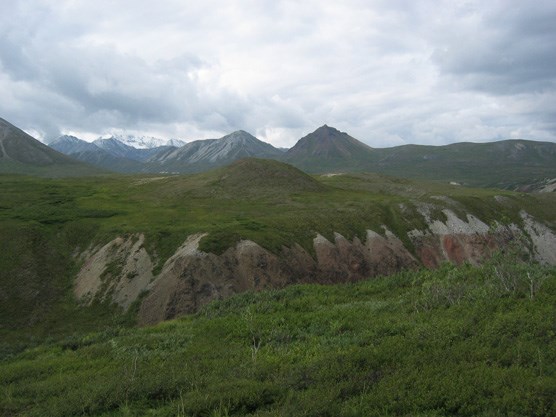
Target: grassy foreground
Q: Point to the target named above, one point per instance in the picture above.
(467, 341)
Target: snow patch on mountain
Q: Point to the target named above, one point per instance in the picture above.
(146, 142)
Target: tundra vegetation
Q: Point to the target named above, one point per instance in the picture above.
(461, 340)
(465, 341)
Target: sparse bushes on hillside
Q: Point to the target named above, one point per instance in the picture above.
(503, 275)
(457, 341)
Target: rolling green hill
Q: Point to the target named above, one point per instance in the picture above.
(509, 164)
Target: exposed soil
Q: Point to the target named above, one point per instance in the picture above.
(122, 269)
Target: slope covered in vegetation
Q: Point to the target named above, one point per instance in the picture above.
(466, 341)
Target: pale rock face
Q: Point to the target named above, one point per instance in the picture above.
(454, 240)
(454, 224)
(124, 285)
(216, 151)
(191, 278)
(543, 239)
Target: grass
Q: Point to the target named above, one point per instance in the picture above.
(46, 223)
(467, 341)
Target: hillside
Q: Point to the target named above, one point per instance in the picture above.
(259, 177)
(22, 154)
(510, 164)
(451, 342)
(91, 258)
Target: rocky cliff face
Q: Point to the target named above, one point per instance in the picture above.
(122, 269)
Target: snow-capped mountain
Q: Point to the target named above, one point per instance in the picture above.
(122, 150)
(94, 155)
(71, 145)
(146, 142)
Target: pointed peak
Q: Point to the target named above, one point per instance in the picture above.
(239, 135)
(327, 129)
(240, 132)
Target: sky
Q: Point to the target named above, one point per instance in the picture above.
(387, 72)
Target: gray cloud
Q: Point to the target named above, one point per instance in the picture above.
(508, 50)
(388, 72)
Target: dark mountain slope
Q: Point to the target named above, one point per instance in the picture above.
(22, 154)
(509, 164)
(328, 149)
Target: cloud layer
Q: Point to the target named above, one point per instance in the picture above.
(388, 72)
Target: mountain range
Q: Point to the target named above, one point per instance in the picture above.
(122, 150)
(106, 157)
(510, 164)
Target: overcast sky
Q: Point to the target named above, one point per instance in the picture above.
(387, 72)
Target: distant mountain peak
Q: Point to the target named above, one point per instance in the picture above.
(65, 138)
(330, 131)
(144, 142)
(327, 146)
(202, 154)
(70, 145)
(239, 134)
